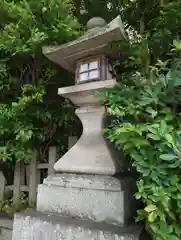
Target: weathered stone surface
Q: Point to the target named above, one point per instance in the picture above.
(6, 226)
(91, 154)
(5, 233)
(99, 198)
(92, 43)
(36, 226)
(85, 94)
(96, 22)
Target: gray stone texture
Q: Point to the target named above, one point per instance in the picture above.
(6, 226)
(85, 94)
(96, 22)
(36, 226)
(99, 198)
(5, 233)
(92, 154)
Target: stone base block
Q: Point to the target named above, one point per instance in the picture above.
(99, 198)
(6, 226)
(37, 226)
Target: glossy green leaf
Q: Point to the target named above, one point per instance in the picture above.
(150, 208)
(168, 157)
(152, 216)
(154, 137)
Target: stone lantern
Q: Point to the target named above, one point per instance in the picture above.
(89, 58)
(89, 202)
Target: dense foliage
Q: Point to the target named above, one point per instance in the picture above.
(146, 103)
(30, 108)
(146, 106)
(30, 111)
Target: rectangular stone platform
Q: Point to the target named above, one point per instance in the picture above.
(37, 226)
(98, 198)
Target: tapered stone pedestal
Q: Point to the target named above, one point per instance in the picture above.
(92, 154)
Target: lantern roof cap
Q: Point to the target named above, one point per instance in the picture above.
(94, 42)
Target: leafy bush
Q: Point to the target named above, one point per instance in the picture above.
(147, 128)
(31, 116)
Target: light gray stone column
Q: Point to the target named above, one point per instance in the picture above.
(92, 152)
